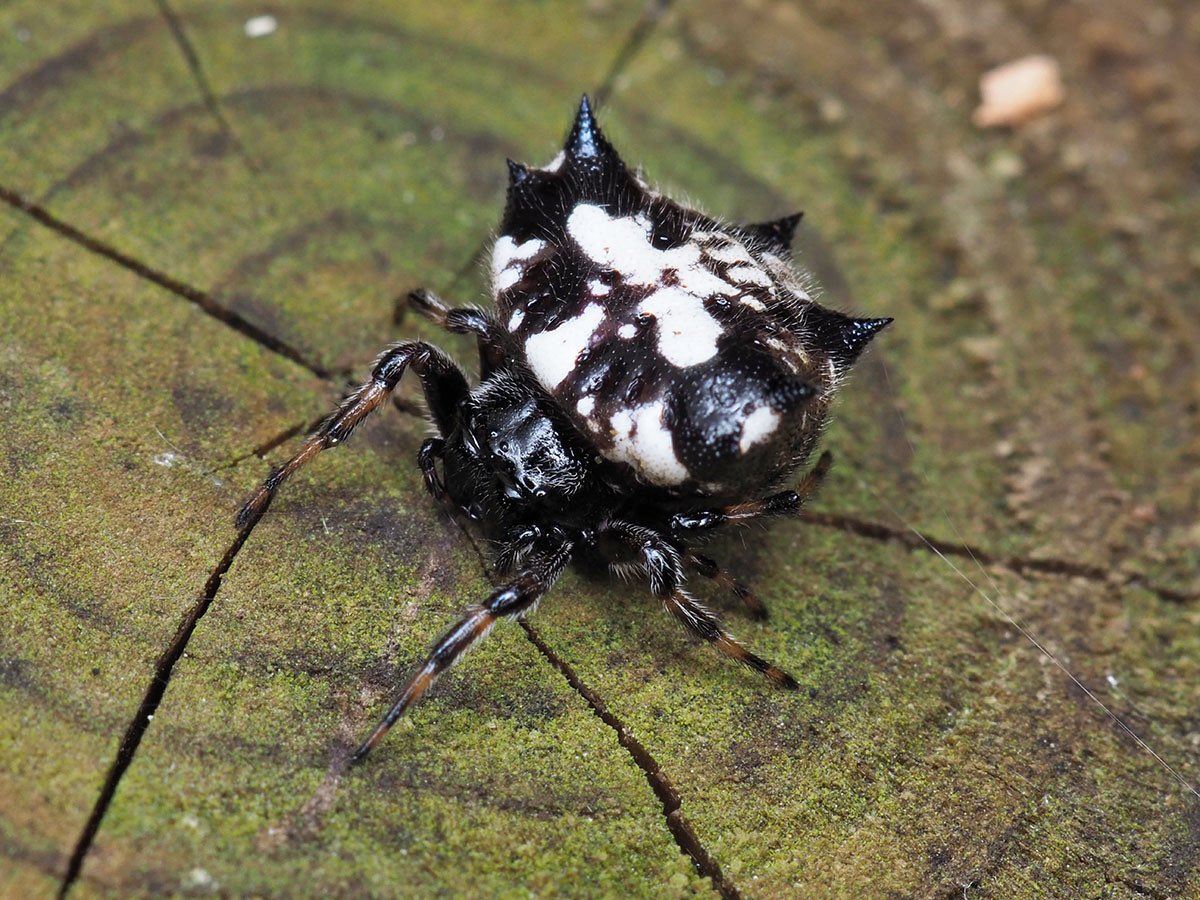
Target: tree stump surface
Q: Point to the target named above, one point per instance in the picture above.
(203, 238)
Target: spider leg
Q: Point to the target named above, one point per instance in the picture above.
(465, 320)
(785, 503)
(516, 547)
(444, 386)
(513, 600)
(708, 567)
(663, 565)
(700, 621)
(431, 451)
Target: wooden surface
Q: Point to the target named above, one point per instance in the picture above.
(205, 232)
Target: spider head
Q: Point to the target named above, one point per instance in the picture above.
(522, 455)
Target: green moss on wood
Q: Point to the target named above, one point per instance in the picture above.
(932, 749)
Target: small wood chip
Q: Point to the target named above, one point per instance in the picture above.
(1019, 91)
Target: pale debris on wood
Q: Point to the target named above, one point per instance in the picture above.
(260, 26)
(1019, 91)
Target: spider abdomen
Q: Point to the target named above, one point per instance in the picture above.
(686, 351)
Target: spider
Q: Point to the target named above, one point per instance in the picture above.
(648, 375)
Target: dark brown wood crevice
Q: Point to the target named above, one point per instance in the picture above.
(681, 830)
(196, 68)
(193, 295)
(136, 729)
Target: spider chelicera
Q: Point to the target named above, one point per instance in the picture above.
(648, 374)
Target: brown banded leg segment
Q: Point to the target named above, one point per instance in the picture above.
(514, 599)
(442, 381)
(786, 503)
(662, 563)
(708, 568)
(701, 622)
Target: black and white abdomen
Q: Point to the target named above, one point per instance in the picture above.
(686, 352)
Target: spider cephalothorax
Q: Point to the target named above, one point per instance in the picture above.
(650, 374)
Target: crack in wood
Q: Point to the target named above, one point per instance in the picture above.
(260, 451)
(1022, 565)
(194, 295)
(685, 836)
(196, 68)
(681, 830)
(1138, 887)
(136, 729)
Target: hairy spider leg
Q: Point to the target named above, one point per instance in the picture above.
(493, 340)
(432, 449)
(513, 600)
(442, 380)
(663, 566)
(785, 503)
(516, 547)
(708, 568)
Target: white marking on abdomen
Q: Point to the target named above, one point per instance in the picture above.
(687, 332)
(622, 243)
(551, 354)
(759, 426)
(507, 257)
(749, 274)
(644, 442)
(508, 278)
(733, 252)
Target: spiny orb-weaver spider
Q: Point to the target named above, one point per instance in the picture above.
(648, 374)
